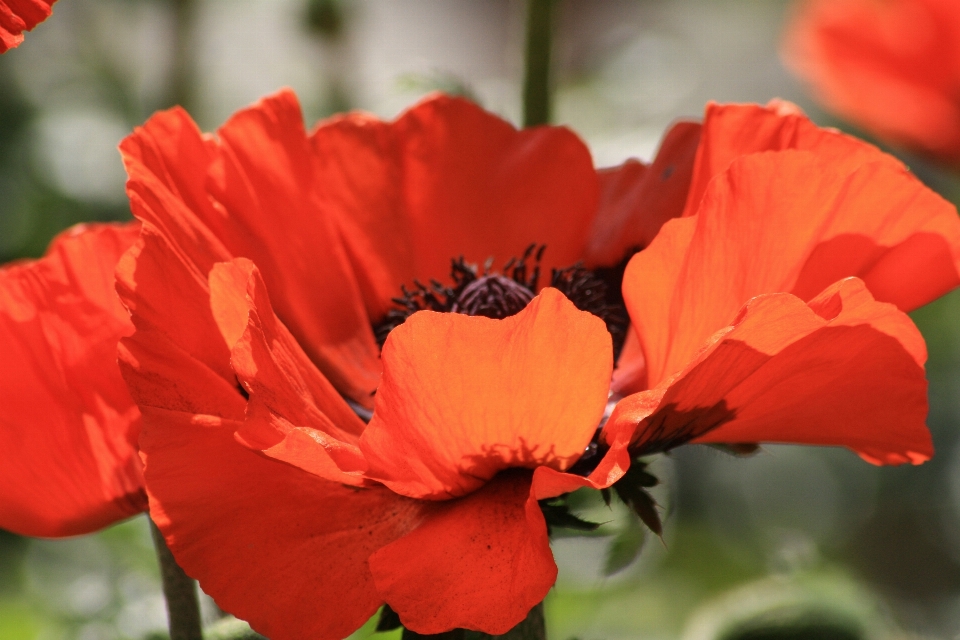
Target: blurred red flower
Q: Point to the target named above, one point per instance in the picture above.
(68, 428)
(891, 67)
(17, 16)
(295, 515)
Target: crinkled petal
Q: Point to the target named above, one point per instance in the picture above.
(275, 546)
(479, 562)
(841, 370)
(890, 67)
(177, 357)
(463, 397)
(254, 192)
(734, 130)
(232, 516)
(636, 199)
(17, 16)
(293, 414)
(787, 221)
(68, 427)
(448, 179)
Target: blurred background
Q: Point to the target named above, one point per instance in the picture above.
(792, 542)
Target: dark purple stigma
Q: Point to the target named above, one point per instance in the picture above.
(492, 296)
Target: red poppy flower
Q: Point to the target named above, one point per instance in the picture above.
(17, 16)
(745, 335)
(257, 472)
(446, 179)
(889, 66)
(68, 428)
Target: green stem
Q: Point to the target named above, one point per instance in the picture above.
(181, 73)
(536, 80)
(180, 592)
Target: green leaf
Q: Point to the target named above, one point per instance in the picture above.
(557, 514)
(625, 548)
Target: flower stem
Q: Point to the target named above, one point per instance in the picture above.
(181, 80)
(536, 80)
(180, 591)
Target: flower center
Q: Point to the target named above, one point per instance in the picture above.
(492, 296)
(503, 294)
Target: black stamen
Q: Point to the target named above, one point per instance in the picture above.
(500, 295)
(436, 297)
(588, 292)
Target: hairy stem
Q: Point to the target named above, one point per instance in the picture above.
(536, 80)
(180, 592)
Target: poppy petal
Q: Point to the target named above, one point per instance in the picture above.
(273, 545)
(550, 483)
(636, 199)
(293, 414)
(177, 357)
(233, 517)
(253, 193)
(448, 179)
(734, 130)
(463, 397)
(840, 370)
(786, 221)
(480, 562)
(17, 16)
(68, 428)
(890, 67)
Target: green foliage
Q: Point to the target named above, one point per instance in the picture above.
(625, 547)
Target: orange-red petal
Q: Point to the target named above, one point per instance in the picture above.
(448, 179)
(891, 67)
(480, 562)
(463, 398)
(253, 192)
(68, 427)
(293, 413)
(177, 357)
(787, 221)
(734, 130)
(839, 370)
(232, 516)
(275, 546)
(17, 16)
(636, 199)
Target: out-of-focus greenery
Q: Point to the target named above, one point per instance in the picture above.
(789, 543)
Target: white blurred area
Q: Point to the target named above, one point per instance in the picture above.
(624, 69)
